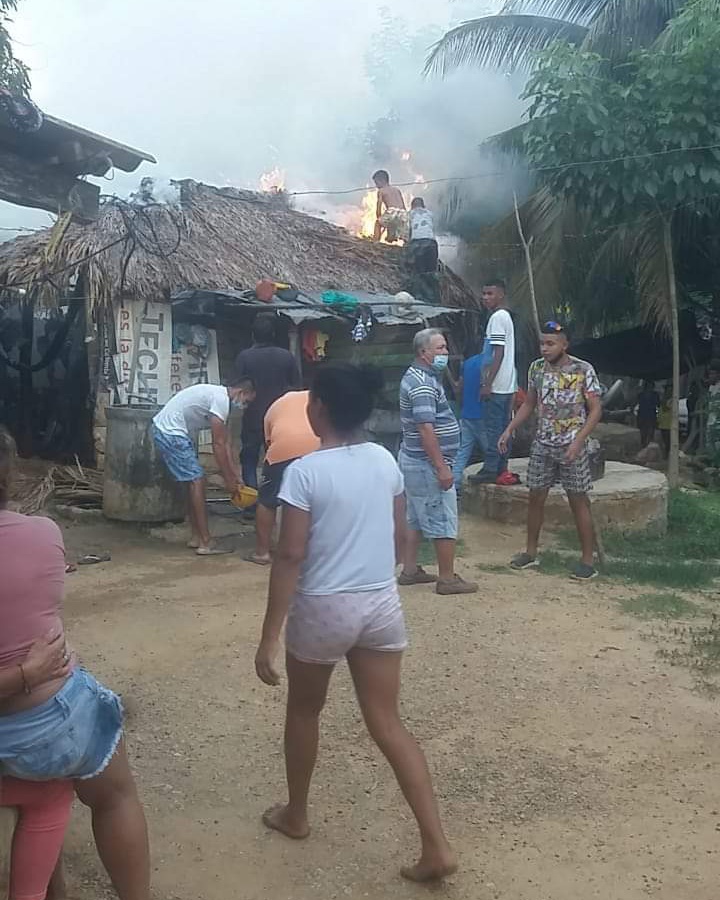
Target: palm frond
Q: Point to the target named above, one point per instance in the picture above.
(580, 11)
(544, 219)
(636, 251)
(506, 41)
(626, 25)
(651, 271)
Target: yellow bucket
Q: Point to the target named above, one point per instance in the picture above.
(245, 497)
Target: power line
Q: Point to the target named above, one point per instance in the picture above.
(505, 172)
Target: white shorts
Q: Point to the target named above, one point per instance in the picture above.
(323, 629)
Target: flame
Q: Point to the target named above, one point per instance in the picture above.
(368, 206)
(273, 182)
(406, 156)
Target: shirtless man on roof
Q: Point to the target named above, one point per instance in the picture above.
(391, 213)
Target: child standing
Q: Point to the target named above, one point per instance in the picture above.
(334, 578)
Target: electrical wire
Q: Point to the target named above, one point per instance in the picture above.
(133, 235)
(502, 173)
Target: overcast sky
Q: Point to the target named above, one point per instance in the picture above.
(220, 90)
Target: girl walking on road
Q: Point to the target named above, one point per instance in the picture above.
(333, 577)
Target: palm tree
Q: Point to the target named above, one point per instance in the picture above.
(611, 28)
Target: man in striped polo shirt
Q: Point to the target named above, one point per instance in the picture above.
(431, 438)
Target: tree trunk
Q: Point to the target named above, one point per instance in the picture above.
(674, 458)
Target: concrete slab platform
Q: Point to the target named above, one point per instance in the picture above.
(631, 498)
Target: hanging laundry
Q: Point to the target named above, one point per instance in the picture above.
(363, 324)
(314, 344)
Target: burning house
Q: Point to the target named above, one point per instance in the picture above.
(106, 329)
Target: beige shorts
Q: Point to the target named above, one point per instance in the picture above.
(323, 629)
(395, 221)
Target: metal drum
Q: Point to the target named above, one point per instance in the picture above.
(138, 487)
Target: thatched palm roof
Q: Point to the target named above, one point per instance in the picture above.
(221, 237)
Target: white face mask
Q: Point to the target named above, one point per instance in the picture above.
(440, 363)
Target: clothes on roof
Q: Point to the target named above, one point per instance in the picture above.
(386, 309)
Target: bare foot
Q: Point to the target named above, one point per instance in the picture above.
(431, 868)
(277, 819)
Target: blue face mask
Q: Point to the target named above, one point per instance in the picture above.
(440, 362)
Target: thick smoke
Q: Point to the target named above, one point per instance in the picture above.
(224, 92)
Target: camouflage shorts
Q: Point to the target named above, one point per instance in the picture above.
(547, 466)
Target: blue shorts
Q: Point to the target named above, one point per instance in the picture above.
(430, 509)
(179, 455)
(72, 735)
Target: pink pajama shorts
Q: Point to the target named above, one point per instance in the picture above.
(323, 629)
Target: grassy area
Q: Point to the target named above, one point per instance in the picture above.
(697, 648)
(659, 606)
(686, 557)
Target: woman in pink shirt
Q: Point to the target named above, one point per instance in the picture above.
(64, 725)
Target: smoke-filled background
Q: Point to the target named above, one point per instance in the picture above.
(223, 92)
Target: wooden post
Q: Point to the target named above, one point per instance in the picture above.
(674, 458)
(528, 262)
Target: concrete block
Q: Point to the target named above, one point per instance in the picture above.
(629, 498)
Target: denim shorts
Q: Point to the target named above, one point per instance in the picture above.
(72, 735)
(179, 455)
(430, 509)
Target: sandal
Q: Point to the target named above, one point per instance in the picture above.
(257, 560)
(212, 551)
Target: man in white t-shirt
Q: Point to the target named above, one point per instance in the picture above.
(499, 383)
(175, 432)
(423, 253)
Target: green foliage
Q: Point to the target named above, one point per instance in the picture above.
(14, 74)
(667, 99)
(686, 556)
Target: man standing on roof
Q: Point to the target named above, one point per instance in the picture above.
(391, 216)
(423, 252)
(175, 431)
(273, 371)
(566, 392)
(431, 437)
(499, 383)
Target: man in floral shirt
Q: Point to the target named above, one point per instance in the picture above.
(566, 393)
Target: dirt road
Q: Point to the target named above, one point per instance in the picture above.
(569, 760)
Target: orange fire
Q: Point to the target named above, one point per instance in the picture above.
(368, 206)
(273, 182)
